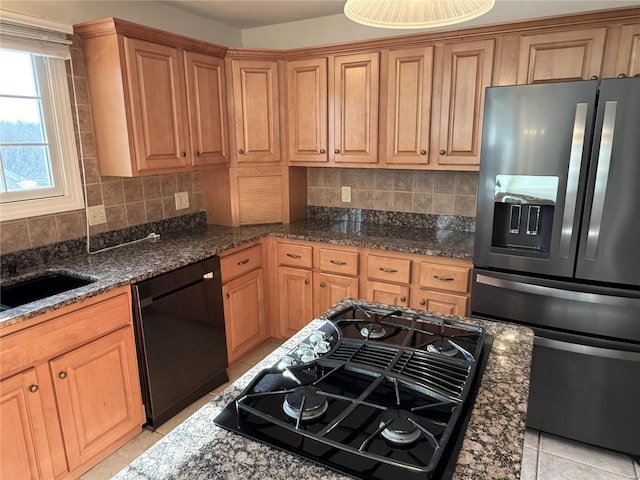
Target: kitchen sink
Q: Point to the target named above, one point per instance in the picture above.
(39, 287)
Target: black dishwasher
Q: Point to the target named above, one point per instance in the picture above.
(182, 352)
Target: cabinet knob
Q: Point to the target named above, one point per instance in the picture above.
(33, 388)
(594, 77)
(322, 284)
(197, 153)
(227, 295)
(403, 299)
(322, 150)
(337, 150)
(183, 154)
(62, 375)
(241, 151)
(423, 152)
(622, 75)
(442, 152)
(423, 302)
(306, 282)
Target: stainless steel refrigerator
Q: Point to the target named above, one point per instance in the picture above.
(558, 248)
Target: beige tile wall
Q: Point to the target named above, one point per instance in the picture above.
(127, 201)
(417, 191)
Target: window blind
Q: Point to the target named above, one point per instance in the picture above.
(34, 35)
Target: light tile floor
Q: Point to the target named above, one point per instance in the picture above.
(128, 452)
(548, 457)
(545, 457)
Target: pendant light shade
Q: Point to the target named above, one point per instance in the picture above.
(414, 13)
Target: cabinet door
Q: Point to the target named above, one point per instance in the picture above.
(355, 116)
(207, 106)
(255, 107)
(561, 56)
(467, 71)
(439, 302)
(98, 394)
(307, 110)
(244, 314)
(409, 80)
(295, 294)
(628, 61)
(388, 293)
(25, 449)
(329, 288)
(157, 105)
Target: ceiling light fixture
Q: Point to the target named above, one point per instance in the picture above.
(402, 14)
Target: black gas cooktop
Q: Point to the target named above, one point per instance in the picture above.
(374, 393)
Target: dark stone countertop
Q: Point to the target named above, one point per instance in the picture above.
(132, 263)
(492, 448)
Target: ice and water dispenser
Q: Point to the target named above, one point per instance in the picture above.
(523, 214)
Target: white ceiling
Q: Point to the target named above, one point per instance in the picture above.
(246, 14)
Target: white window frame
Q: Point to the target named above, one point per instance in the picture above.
(68, 193)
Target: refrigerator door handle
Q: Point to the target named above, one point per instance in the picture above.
(558, 292)
(602, 177)
(573, 177)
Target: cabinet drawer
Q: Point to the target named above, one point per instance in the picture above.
(295, 255)
(241, 262)
(389, 269)
(444, 277)
(338, 261)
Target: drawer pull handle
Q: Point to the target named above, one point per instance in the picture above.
(322, 284)
(33, 388)
(337, 262)
(243, 262)
(293, 255)
(62, 375)
(388, 270)
(403, 299)
(444, 279)
(423, 302)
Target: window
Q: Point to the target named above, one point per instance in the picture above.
(39, 170)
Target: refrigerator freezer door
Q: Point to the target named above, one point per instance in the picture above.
(609, 248)
(536, 132)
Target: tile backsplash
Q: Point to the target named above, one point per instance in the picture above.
(416, 191)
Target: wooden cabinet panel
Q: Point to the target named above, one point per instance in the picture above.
(256, 111)
(355, 115)
(307, 103)
(389, 269)
(294, 255)
(295, 287)
(439, 302)
(241, 262)
(245, 323)
(444, 277)
(561, 56)
(260, 194)
(628, 60)
(25, 449)
(329, 288)
(408, 104)
(388, 293)
(97, 401)
(467, 71)
(207, 108)
(157, 108)
(338, 261)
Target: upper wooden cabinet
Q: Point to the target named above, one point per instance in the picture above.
(254, 112)
(561, 56)
(467, 69)
(157, 99)
(307, 104)
(628, 60)
(407, 104)
(356, 82)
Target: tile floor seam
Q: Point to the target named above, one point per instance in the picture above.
(585, 464)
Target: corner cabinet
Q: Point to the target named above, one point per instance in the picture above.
(70, 388)
(157, 100)
(628, 60)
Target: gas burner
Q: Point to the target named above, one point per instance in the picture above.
(400, 430)
(373, 330)
(446, 350)
(312, 402)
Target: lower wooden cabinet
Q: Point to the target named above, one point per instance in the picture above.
(295, 287)
(329, 288)
(70, 389)
(389, 293)
(439, 302)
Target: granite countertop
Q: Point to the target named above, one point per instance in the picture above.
(132, 263)
(492, 448)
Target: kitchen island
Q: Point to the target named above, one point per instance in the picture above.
(492, 447)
